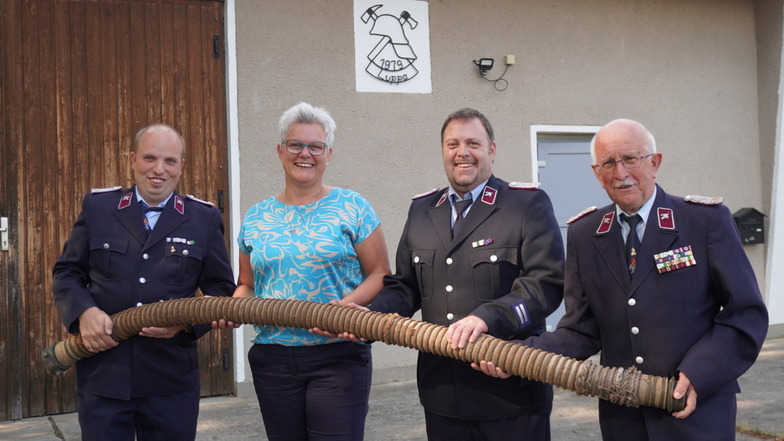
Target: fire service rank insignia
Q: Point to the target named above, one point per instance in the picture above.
(674, 259)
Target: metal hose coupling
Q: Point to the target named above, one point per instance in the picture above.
(627, 387)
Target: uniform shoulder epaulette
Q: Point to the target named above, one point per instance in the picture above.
(703, 200)
(105, 190)
(427, 193)
(194, 198)
(581, 214)
(525, 185)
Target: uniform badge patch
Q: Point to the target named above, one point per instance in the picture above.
(674, 259)
(525, 185)
(666, 218)
(125, 200)
(606, 223)
(442, 199)
(179, 205)
(703, 200)
(521, 312)
(581, 214)
(488, 195)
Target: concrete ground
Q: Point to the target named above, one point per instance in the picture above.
(395, 413)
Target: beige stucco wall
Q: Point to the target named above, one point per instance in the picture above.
(686, 69)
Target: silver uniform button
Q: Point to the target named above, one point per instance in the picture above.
(635, 330)
(450, 316)
(416, 259)
(106, 246)
(145, 256)
(638, 360)
(448, 260)
(632, 302)
(449, 288)
(493, 258)
(184, 252)
(142, 280)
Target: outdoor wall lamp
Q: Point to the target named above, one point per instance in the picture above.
(484, 65)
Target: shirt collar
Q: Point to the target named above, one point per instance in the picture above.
(644, 211)
(476, 193)
(162, 204)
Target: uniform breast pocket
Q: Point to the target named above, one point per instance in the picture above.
(181, 264)
(108, 258)
(494, 271)
(423, 267)
(677, 278)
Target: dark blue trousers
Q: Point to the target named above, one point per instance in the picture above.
(165, 418)
(532, 426)
(309, 393)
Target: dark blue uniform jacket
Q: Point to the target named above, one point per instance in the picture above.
(706, 319)
(505, 266)
(109, 262)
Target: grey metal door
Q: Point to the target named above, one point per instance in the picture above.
(566, 175)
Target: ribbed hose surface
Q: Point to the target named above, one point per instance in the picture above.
(628, 387)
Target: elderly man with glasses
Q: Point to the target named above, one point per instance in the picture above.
(661, 284)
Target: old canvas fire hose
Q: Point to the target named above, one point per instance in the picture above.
(628, 387)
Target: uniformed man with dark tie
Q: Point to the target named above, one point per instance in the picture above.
(132, 247)
(479, 256)
(662, 284)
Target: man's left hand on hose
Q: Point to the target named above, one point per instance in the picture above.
(155, 332)
(684, 386)
(465, 330)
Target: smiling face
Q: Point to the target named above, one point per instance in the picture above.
(468, 154)
(629, 188)
(157, 164)
(304, 169)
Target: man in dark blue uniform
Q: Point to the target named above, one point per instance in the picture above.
(678, 299)
(499, 270)
(128, 248)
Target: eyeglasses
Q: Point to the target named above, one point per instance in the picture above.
(629, 162)
(295, 146)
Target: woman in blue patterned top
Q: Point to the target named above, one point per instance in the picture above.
(318, 243)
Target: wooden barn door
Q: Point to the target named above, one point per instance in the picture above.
(78, 78)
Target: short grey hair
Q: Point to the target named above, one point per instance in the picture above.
(304, 113)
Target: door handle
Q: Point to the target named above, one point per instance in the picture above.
(3, 234)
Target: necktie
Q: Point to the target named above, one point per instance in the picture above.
(145, 209)
(460, 207)
(632, 240)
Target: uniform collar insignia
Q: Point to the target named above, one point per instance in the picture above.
(666, 218)
(443, 198)
(179, 205)
(488, 195)
(125, 200)
(606, 223)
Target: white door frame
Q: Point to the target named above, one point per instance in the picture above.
(552, 129)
